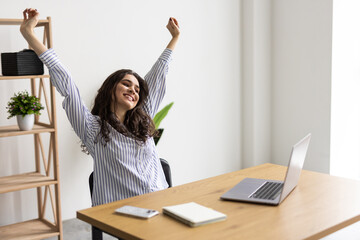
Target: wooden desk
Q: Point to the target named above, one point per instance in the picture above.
(321, 204)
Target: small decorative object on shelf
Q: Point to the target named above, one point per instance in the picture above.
(25, 62)
(24, 107)
(25, 123)
(157, 120)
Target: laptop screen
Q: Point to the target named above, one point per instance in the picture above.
(296, 163)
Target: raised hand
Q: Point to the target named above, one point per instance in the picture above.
(174, 30)
(173, 27)
(31, 18)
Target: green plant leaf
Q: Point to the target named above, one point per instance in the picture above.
(162, 114)
(23, 104)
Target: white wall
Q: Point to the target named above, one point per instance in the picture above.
(256, 82)
(286, 80)
(301, 79)
(95, 38)
(345, 111)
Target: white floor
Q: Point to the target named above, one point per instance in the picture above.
(75, 229)
(351, 232)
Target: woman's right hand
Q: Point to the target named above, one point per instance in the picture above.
(31, 19)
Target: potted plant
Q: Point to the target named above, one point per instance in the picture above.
(157, 120)
(24, 107)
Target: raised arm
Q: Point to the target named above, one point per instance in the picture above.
(156, 77)
(81, 119)
(31, 18)
(174, 30)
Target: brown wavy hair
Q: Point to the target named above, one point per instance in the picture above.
(137, 124)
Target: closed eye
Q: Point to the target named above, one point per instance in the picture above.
(128, 83)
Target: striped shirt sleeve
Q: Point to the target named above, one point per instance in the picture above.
(82, 121)
(155, 79)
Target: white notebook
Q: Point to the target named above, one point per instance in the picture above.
(193, 214)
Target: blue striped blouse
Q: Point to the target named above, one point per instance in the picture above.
(122, 168)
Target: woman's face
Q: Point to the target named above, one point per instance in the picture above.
(127, 92)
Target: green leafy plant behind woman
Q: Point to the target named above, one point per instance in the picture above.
(23, 104)
(157, 120)
(161, 115)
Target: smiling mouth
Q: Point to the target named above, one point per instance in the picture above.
(130, 98)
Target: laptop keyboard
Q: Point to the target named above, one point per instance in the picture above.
(268, 191)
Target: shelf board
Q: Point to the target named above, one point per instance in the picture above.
(23, 77)
(24, 181)
(8, 21)
(9, 131)
(29, 230)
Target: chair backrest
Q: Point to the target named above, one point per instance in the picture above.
(91, 182)
(164, 164)
(167, 171)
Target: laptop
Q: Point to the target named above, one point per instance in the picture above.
(272, 192)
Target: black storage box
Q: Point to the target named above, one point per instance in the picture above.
(21, 63)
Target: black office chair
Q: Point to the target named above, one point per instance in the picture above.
(167, 171)
(97, 233)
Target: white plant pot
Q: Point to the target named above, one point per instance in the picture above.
(25, 123)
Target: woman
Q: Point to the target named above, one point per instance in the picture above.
(118, 131)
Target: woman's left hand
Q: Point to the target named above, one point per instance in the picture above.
(173, 27)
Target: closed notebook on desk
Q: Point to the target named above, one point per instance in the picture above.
(193, 214)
